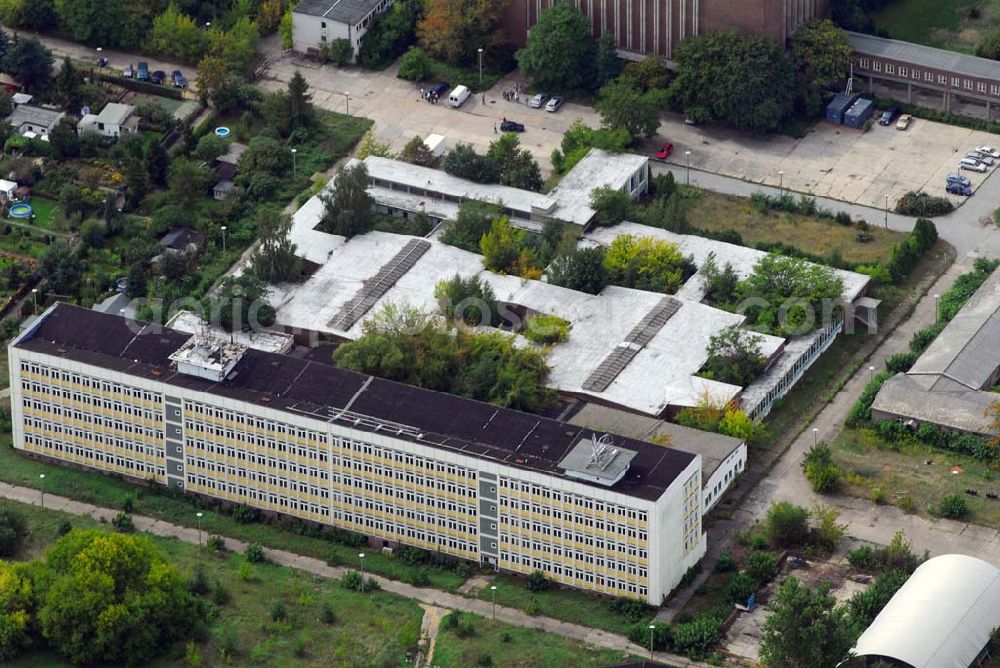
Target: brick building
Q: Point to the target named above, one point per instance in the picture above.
(644, 27)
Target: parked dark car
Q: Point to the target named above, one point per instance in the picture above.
(511, 126)
(440, 89)
(958, 178)
(158, 76)
(179, 80)
(959, 189)
(888, 116)
(142, 73)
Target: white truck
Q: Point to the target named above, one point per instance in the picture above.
(458, 96)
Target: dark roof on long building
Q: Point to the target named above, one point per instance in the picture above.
(293, 385)
(925, 56)
(344, 11)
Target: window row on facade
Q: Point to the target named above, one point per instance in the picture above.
(929, 76)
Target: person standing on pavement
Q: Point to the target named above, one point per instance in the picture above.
(494, 128)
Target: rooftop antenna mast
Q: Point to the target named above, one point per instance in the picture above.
(850, 81)
(603, 450)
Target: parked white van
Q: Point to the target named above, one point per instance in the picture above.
(458, 96)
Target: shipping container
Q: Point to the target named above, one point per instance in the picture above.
(835, 110)
(859, 113)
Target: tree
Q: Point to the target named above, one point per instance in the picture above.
(188, 180)
(646, 263)
(6, 101)
(465, 163)
(559, 53)
(174, 267)
(415, 65)
(62, 268)
(822, 55)
(990, 46)
(66, 86)
(237, 46)
(13, 530)
(29, 62)
(210, 147)
(64, 139)
(93, 22)
(390, 33)
(612, 205)
(137, 182)
(820, 470)
(607, 64)
(157, 163)
(468, 299)
(787, 525)
(265, 154)
(348, 205)
(239, 305)
(806, 628)
(40, 15)
(300, 111)
(622, 106)
(416, 153)
(370, 146)
(518, 168)
(454, 30)
(788, 295)
(472, 222)
(92, 234)
(213, 75)
(112, 598)
(275, 260)
(745, 81)
(17, 608)
(734, 356)
(648, 74)
(175, 35)
(580, 269)
(719, 284)
(506, 250)
(137, 281)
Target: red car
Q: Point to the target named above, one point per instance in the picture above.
(665, 152)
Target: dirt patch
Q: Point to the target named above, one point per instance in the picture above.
(969, 37)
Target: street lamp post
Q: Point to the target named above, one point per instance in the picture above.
(781, 182)
(223, 239)
(34, 299)
(480, 67)
(652, 627)
(871, 374)
(41, 489)
(937, 309)
(361, 557)
(815, 435)
(687, 154)
(954, 474)
(295, 170)
(887, 211)
(493, 592)
(198, 515)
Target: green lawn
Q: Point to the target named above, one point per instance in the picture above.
(942, 23)
(516, 647)
(48, 214)
(570, 605)
(370, 629)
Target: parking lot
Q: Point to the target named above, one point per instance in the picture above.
(834, 161)
(400, 114)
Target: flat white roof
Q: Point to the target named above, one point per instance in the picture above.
(661, 374)
(270, 342)
(741, 258)
(597, 169)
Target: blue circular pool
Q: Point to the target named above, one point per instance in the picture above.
(19, 210)
(222, 131)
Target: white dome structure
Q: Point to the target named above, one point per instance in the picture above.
(942, 617)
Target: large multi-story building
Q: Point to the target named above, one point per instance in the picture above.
(656, 27)
(401, 465)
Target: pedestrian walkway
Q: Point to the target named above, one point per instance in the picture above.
(314, 566)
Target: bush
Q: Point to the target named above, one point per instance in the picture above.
(787, 525)
(762, 567)
(537, 582)
(662, 636)
(725, 563)
(254, 553)
(897, 555)
(631, 609)
(326, 615)
(415, 65)
(823, 474)
(245, 514)
(546, 329)
(865, 605)
(64, 528)
(741, 586)
(953, 507)
(216, 543)
(920, 203)
(122, 523)
(279, 612)
(198, 584)
(220, 595)
(13, 531)
(697, 638)
(861, 411)
(901, 362)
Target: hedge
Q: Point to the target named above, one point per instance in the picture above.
(970, 445)
(901, 362)
(144, 86)
(862, 410)
(937, 116)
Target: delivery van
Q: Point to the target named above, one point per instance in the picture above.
(458, 96)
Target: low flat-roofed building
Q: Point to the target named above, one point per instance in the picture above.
(399, 187)
(949, 384)
(114, 120)
(398, 464)
(317, 23)
(631, 348)
(29, 118)
(723, 458)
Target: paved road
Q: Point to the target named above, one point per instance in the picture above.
(433, 597)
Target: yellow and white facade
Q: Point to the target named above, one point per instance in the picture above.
(386, 480)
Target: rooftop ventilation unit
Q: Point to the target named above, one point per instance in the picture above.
(207, 357)
(597, 460)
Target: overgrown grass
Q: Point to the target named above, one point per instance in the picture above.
(913, 475)
(507, 645)
(716, 212)
(466, 76)
(370, 629)
(941, 23)
(48, 214)
(112, 493)
(570, 605)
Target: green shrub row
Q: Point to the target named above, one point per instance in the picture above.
(862, 410)
(144, 86)
(938, 116)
